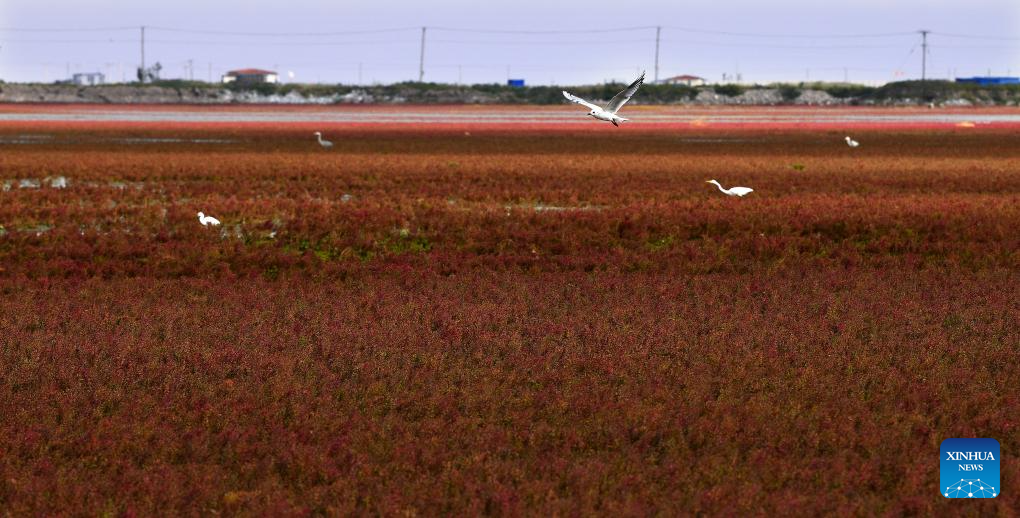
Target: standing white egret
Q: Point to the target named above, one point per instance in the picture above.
(732, 191)
(851, 142)
(207, 220)
(324, 143)
(609, 112)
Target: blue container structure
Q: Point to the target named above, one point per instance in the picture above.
(516, 83)
(986, 81)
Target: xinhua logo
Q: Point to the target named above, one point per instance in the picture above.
(969, 468)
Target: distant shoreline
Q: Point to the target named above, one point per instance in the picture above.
(910, 93)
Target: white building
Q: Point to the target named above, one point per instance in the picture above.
(686, 80)
(251, 76)
(88, 79)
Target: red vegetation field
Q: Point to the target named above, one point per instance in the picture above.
(498, 319)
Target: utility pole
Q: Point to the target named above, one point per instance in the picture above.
(421, 59)
(924, 64)
(658, 32)
(142, 78)
(924, 54)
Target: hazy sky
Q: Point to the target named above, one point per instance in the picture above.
(784, 46)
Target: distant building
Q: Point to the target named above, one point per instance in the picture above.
(516, 83)
(251, 76)
(88, 79)
(989, 80)
(686, 80)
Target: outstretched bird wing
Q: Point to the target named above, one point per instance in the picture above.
(575, 99)
(621, 98)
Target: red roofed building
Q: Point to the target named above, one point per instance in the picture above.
(251, 76)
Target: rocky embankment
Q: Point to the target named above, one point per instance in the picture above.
(411, 93)
(129, 94)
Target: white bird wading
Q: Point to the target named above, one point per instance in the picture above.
(207, 220)
(608, 113)
(733, 191)
(324, 143)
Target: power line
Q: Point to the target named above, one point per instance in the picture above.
(907, 58)
(93, 29)
(974, 36)
(283, 44)
(480, 42)
(771, 46)
(284, 35)
(972, 47)
(560, 42)
(652, 40)
(777, 35)
(507, 31)
(830, 69)
(108, 40)
(485, 42)
(531, 67)
(577, 31)
(244, 43)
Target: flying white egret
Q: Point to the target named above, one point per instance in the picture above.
(733, 191)
(609, 112)
(324, 143)
(207, 220)
(851, 142)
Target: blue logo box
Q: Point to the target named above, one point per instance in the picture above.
(969, 468)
